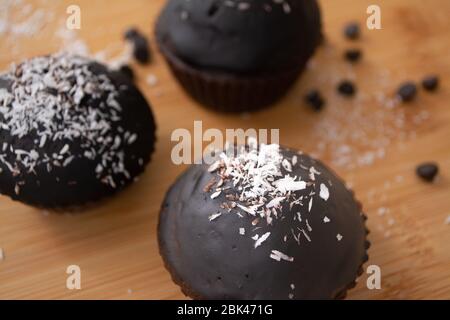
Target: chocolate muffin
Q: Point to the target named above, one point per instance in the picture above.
(71, 132)
(234, 55)
(267, 223)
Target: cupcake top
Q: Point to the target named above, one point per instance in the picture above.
(250, 36)
(70, 131)
(265, 224)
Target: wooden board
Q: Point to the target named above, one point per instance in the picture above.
(373, 143)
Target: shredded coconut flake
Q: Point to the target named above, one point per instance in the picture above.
(288, 184)
(310, 204)
(266, 183)
(45, 99)
(214, 216)
(216, 194)
(278, 256)
(324, 193)
(261, 239)
(275, 202)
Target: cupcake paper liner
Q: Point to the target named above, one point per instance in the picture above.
(226, 92)
(342, 294)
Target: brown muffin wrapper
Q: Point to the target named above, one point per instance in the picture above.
(226, 92)
(342, 294)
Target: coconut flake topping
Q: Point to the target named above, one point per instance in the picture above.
(264, 183)
(49, 99)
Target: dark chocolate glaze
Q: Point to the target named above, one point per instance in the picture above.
(209, 34)
(76, 184)
(211, 260)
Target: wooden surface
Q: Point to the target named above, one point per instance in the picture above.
(372, 142)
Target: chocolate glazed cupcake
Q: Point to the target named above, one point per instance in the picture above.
(267, 224)
(234, 55)
(71, 132)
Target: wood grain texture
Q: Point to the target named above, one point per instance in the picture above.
(115, 242)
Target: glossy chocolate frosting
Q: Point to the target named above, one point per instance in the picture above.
(84, 133)
(213, 256)
(252, 36)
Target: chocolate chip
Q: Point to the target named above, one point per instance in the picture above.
(353, 55)
(430, 83)
(314, 99)
(346, 88)
(127, 71)
(141, 48)
(427, 171)
(407, 91)
(352, 31)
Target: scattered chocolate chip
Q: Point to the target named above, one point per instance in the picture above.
(126, 70)
(141, 48)
(427, 171)
(430, 83)
(352, 31)
(353, 55)
(315, 100)
(346, 88)
(407, 91)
